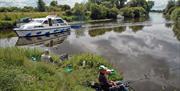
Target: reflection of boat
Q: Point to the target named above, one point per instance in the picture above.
(49, 41)
(43, 26)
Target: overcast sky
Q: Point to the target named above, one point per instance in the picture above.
(159, 4)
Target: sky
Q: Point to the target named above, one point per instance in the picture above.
(159, 4)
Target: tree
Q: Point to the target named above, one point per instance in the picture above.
(171, 3)
(150, 5)
(178, 3)
(27, 9)
(64, 7)
(79, 11)
(41, 6)
(170, 7)
(119, 3)
(112, 13)
(96, 1)
(98, 11)
(139, 3)
(54, 3)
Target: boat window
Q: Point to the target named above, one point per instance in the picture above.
(59, 21)
(38, 26)
(45, 22)
(39, 21)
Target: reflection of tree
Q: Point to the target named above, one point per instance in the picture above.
(176, 30)
(133, 20)
(120, 29)
(96, 32)
(7, 34)
(79, 33)
(136, 28)
(168, 25)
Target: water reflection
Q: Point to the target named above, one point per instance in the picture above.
(136, 28)
(7, 33)
(119, 29)
(134, 20)
(168, 25)
(96, 32)
(48, 41)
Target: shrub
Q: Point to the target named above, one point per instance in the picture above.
(98, 11)
(6, 24)
(176, 14)
(169, 11)
(131, 12)
(176, 30)
(112, 13)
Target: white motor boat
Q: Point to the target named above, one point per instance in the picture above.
(43, 26)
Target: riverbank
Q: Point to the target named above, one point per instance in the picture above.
(19, 72)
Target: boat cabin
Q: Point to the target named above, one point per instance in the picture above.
(49, 21)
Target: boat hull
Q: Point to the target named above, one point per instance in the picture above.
(40, 32)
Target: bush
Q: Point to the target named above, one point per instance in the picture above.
(169, 12)
(112, 13)
(98, 11)
(175, 15)
(131, 12)
(6, 24)
(27, 75)
(176, 29)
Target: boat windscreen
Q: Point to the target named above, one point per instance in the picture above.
(39, 21)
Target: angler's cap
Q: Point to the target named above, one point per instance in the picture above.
(102, 67)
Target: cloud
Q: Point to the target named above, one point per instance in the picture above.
(22, 3)
(159, 4)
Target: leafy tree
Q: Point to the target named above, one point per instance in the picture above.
(112, 13)
(28, 9)
(79, 11)
(178, 3)
(64, 7)
(150, 5)
(169, 8)
(139, 3)
(96, 1)
(54, 3)
(175, 15)
(98, 11)
(9, 9)
(131, 12)
(119, 3)
(41, 6)
(53, 8)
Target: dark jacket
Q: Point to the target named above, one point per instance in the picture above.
(104, 82)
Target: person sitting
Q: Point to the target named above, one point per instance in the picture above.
(106, 84)
(46, 57)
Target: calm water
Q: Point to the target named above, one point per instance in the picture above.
(145, 51)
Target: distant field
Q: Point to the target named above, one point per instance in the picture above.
(12, 16)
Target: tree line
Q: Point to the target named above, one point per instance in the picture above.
(41, 7)
(92, 9)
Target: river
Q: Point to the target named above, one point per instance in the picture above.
(147, 52)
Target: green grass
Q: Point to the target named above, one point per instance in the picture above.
(175, 15)
(19, 73)
(13, 16)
